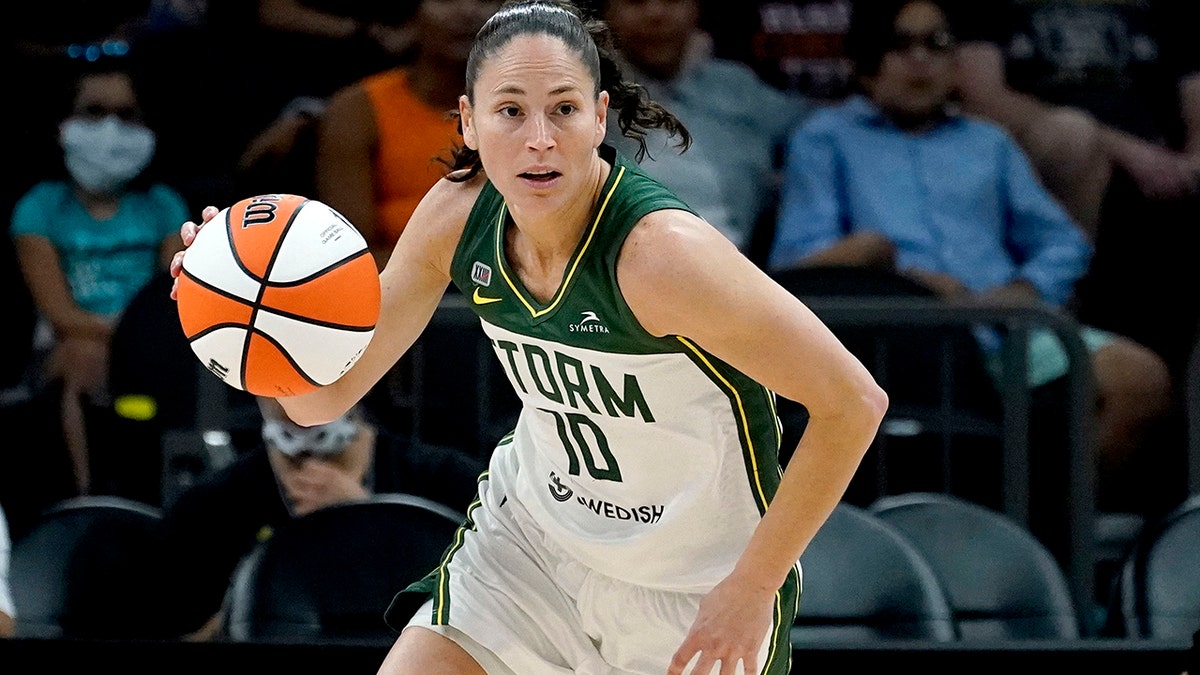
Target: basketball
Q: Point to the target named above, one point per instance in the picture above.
(279, 295)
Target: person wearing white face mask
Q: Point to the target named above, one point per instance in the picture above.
(87, 243)
(103, 155)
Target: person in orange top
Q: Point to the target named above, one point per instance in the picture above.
(380, 139)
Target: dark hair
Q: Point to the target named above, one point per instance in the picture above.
(76, 71)
(872, 31)
(588, 37)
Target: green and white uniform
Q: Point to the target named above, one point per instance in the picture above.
(644, 460)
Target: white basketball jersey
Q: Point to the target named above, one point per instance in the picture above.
(646, 457)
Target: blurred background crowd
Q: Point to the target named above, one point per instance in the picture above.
(1003, 153)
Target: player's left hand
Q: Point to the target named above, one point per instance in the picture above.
(732, 623)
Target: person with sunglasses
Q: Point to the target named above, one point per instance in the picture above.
(897, 177)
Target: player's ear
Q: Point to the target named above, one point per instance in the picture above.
(601, 118)
(468, 123)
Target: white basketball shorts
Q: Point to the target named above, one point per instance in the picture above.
(522, 606)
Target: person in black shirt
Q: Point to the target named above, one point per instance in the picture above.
(211, 526)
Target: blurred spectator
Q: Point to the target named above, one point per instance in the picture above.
(87, 243)
(235, 84)
(287, 49)
(1105, 99)
(794, 45)
(1113, 72)
(899, 179)
(738, 122)
(43, 44)
(318, 46)
(211, 526)
(8, 611)
(381, 138)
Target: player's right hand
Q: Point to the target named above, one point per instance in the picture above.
(187, 232)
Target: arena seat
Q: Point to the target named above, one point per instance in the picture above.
(1159, 587)
(329, 576)
(1002, 583)
(81, 571)
(864, 582)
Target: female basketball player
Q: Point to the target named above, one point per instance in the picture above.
(623, 526)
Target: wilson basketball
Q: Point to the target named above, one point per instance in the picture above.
(279, 295)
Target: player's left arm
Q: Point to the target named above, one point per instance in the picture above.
(716, 297)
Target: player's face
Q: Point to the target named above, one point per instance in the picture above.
(536, 122)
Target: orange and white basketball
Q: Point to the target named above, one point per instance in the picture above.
(279, 295)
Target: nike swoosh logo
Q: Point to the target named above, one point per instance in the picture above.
(481, 300)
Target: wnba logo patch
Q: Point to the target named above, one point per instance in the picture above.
(481, 274)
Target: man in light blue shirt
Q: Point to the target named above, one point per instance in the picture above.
(957, 198)
(897, 179)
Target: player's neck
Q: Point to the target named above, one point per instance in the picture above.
(555, 233)
(538, 248)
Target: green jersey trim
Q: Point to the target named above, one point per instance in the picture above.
(441, 576)
(761, 495)
(787, 596)
(441, 603)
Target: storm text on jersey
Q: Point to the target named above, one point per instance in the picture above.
(569, 381)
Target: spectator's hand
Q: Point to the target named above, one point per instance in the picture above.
(187, 233)
(1019, 293)
(395, 40)
(733, 621)
(82, 363)
(316, 483)
(1160, 173)
(860, 249)
(943, 285)
(273, 145)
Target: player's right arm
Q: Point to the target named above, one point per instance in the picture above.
(413, 284)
